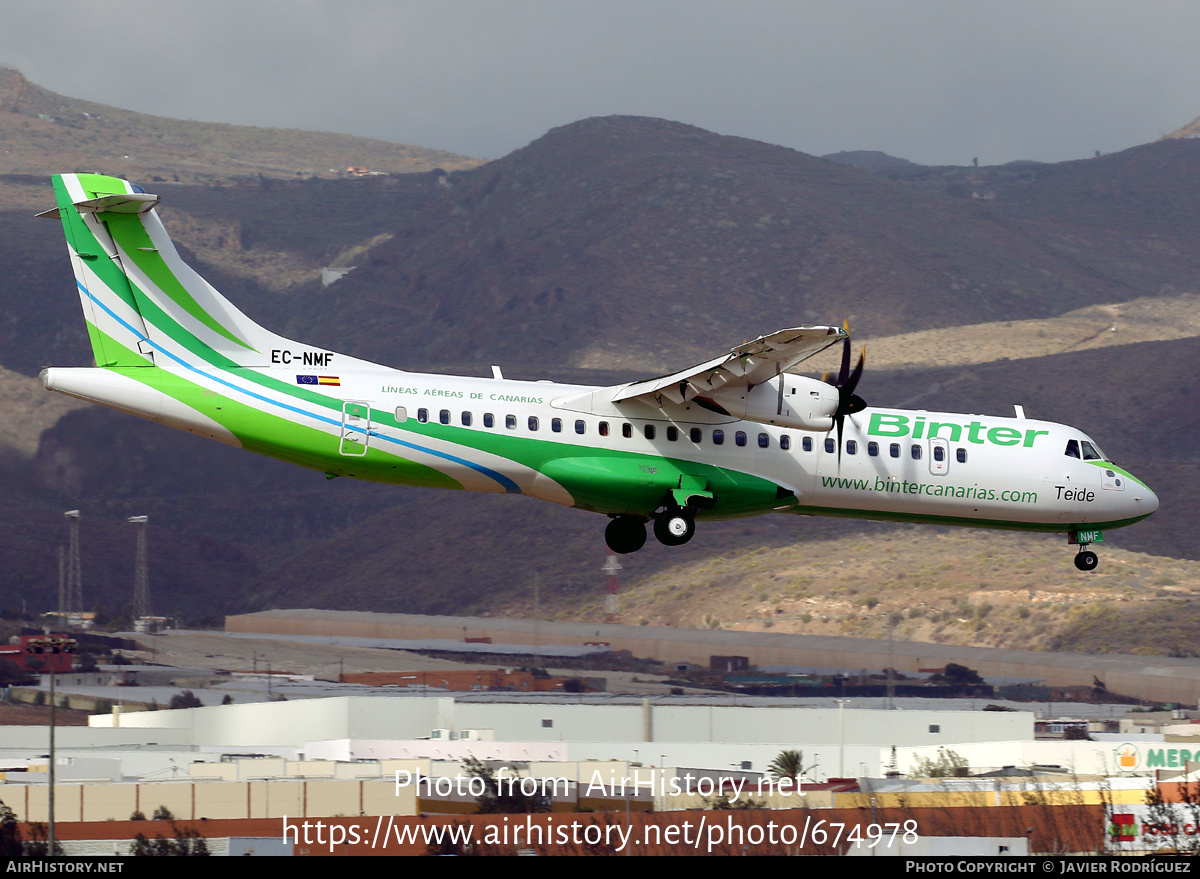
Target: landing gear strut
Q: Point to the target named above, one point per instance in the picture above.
(674, 526)
(625, 534)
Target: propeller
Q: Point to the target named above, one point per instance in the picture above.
(847, 380)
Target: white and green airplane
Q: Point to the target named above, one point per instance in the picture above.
(737, 436)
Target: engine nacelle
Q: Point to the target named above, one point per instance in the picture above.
(806, 403)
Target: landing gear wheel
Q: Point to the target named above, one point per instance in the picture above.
(625, 534)
(1086, 560)
(674, 527)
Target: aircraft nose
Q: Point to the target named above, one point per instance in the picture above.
(1147, 501)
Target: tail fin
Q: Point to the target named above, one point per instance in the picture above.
(137, 294)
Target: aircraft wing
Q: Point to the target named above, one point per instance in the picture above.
(747, 365)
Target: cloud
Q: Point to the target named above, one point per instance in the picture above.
(930, 80)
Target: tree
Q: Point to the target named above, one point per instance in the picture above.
(186, 699)
(949, 764)
(187, 841)
(10, 834)
(724, 802)
(958, 674)
(504, 795)
(788, 764)
(38, 845)
(10, 673)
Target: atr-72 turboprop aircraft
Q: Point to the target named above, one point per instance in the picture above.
(736, 436)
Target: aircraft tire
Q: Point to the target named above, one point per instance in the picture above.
(625, 534)
(674, 527)
(1086, 560)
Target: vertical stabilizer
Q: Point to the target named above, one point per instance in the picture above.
(138, 295)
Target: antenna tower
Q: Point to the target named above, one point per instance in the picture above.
(74, 577)
(141, 579)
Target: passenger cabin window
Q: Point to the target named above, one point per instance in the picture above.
(533, 422)
(672, 434)
(873, 449)
(444, 416)
(916, 452)
(489, 420)
(627, 430)
(603, 428)
(764, 441)
(422, 415)
(556, 425)
(851, 447)
(806, 443)
(740, 437)
(466, 419)
(580, 427)
(785, 442)
(401, 413)
(830, 445)
(695, 435)
(649, 431)
(718, 437)
(510, 421)
(961, 454)
(939, 454)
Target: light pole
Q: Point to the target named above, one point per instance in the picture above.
(52, 646)
(842, 703)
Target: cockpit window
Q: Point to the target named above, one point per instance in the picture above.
(1072, 449)
(1091, 453)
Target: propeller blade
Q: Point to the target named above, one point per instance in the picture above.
(852, 383)
(847, 381)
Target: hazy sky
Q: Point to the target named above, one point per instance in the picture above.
(934, 81)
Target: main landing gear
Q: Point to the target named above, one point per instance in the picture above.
(625, 534)
(673, 527)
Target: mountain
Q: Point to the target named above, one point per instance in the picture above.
(46, 133)
(638, 243)
(867, 159)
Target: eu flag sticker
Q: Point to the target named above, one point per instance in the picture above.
(306, 379)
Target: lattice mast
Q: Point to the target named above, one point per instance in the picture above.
(74, 576)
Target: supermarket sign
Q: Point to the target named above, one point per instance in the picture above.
(1132, 758)
(1173, 826)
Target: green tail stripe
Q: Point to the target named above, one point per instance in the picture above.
(127, 230)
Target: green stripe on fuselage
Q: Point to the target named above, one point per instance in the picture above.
(279, 437)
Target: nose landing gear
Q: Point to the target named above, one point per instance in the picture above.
(1085, 559)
